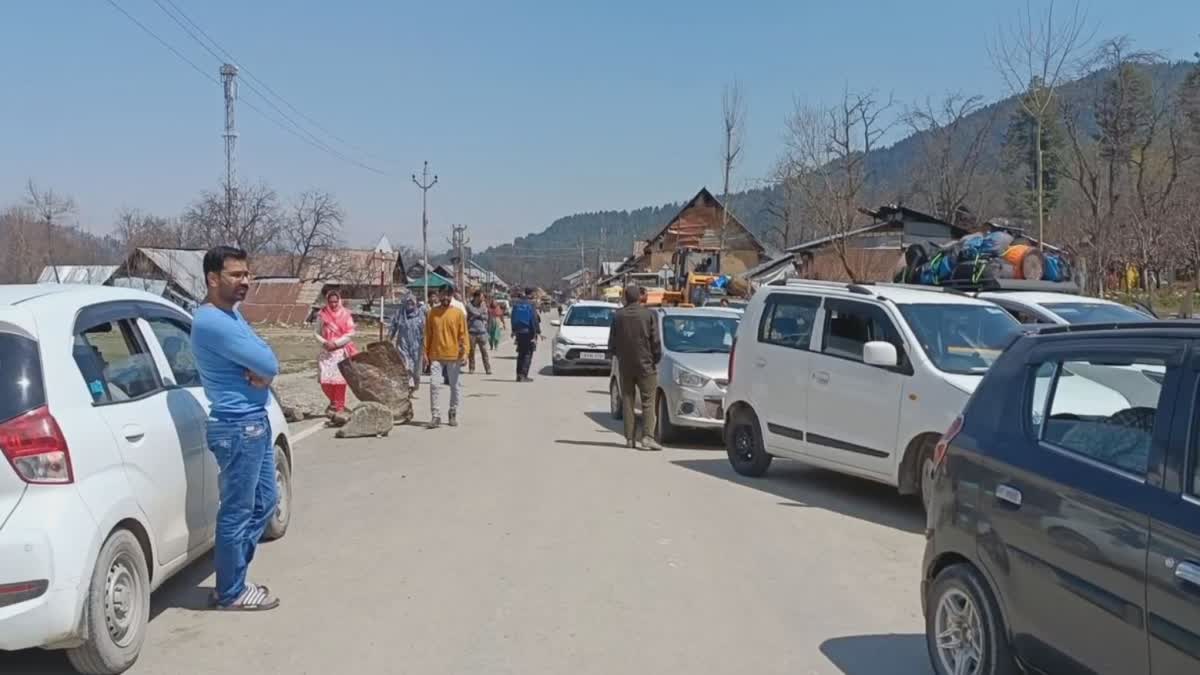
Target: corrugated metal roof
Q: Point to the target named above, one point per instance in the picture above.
(96, 275)
(185, 267)
(155, 286)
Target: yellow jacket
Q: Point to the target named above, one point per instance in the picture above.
(446, 334)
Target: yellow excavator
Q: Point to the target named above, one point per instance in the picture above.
(695, 269)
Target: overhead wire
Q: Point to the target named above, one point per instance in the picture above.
(316, 144)
(225, 55)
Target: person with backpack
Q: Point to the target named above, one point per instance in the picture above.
(526, 328)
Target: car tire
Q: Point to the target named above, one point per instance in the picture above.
(116, 609)
(962, 609)
(925, 472)
(664, 430)
(278, 525)
(615, 407)
(744, 445)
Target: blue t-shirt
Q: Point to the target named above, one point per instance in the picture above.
(226, 347)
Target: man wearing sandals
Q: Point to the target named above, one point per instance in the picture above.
(236, 368)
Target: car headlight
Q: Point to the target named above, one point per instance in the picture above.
(689, 378)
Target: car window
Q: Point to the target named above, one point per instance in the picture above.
(589, 315)
(21, 387)
(959, 338)
(1101, 409)
(788, 320)
(690, 334)
(850, 325)
(176, 341)
(1094, 312)
(114, 362)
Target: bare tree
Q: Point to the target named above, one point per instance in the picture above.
(733, 119)
(953, 144)
(1034, 55)
(785, 206)
(831, 150)
(313, 228)
(134, 228)
(255, 224)
(49, 207)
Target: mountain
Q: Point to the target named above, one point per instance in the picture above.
(545, 257)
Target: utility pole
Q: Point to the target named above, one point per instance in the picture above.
(458, 241)
(229, 78)
(600, 255)
(425, 184)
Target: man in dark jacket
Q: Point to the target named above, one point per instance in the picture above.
(527, 328)
(633, 340)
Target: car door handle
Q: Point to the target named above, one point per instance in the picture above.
(133, 433)
(760, 362)
(1189, 572)
(821, 377)
(1009, 494)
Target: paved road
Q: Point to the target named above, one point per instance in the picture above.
(530, 541)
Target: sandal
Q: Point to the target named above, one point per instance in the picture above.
(253, 599)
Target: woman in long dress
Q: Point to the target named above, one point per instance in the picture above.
(408, 333)
(335, 330)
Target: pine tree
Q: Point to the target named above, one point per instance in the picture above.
(1020, 162)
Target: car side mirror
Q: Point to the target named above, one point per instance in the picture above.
(556, 323)
(881, 354)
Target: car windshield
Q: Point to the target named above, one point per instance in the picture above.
(1095, 312)
(964, 339)
(594, 316)
(20, 376)
(699, 334)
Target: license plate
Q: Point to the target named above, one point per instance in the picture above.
(592, 356)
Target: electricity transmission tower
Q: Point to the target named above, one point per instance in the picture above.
(425, 184)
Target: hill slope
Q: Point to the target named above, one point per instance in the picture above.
(545, 257)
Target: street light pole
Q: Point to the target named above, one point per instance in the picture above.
(425, 184)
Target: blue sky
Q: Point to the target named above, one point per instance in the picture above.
(527, 110)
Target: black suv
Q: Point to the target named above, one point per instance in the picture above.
(1064, 524)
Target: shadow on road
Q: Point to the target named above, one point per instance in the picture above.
(877, 654)
(183, 591)
(606, 421)
(808, 487)
(594, 444)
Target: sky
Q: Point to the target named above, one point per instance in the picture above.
(527, 111)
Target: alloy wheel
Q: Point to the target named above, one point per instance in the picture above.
(959, 634)
(743, 442)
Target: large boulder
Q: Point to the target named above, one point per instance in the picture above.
(378, 375)
(369, 419)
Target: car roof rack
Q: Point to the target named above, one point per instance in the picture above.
(922, 287)
(986, 285)
(1150, 324)
(861, 288)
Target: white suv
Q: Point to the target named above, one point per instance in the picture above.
(861, 379)
(1034, 307)
(107, 487)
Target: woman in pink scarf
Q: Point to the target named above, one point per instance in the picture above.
(335, 328)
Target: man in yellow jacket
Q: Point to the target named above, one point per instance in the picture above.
(445, 352)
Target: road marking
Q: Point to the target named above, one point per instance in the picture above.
(305, 433)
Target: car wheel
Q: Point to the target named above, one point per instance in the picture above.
(664, 429)
(744, 444)
(116, 609)
(614, 399)
(278, 525)
(925, 469)
(964, 631)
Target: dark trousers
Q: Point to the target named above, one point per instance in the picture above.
(525, 346)
(642, 386)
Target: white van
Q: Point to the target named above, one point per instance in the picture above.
(857, 378)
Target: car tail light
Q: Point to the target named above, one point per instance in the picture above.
(732, 351)
(34, 445)
(943, 444)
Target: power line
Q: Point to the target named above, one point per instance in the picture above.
(316, 144)
(226, 56)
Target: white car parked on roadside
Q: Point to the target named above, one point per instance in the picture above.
(108, 487)
(1034, 307)
(860, 379)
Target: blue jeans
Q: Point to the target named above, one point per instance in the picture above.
(246, 456)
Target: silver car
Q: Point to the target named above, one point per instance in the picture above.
(693, 373)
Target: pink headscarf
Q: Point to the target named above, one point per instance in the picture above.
(336, 323)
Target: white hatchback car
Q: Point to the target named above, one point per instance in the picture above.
(1034, 307)
(582, 340)
(861, 379)
(108, 487)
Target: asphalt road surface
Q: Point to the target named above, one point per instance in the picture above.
(529, 540)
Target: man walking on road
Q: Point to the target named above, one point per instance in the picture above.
(633, 340)
(477, 326)
(445, 353)
(526, 328)
(236, 368)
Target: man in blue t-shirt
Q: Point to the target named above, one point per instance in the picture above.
(236, 368)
